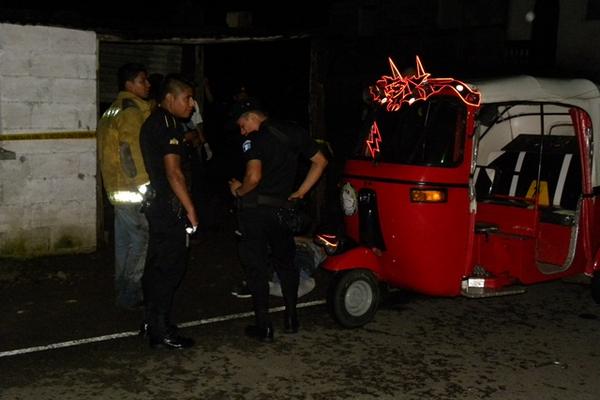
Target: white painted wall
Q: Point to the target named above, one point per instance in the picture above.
(48, 191)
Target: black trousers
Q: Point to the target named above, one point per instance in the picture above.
(165, 267)
(265, 244)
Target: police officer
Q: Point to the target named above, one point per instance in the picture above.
(271, 151)
(169, 212)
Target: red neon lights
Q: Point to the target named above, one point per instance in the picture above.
(396, 90)
(374, 140)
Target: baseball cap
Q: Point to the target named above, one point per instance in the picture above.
(247, 105)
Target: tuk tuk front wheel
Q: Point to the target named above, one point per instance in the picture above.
(595, 286)
(354, 297)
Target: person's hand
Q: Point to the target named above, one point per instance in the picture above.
(296, 196)
(190, 230)
(234, 185)
(193, 219)
(208, 151)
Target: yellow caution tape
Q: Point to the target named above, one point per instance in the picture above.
(48, 135)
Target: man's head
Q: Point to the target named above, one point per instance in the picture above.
(248, 114)
(177, 95)
(133, 78)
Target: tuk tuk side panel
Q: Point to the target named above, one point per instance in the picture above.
(588, 140)
(513, 258)
(504, 252)
(362, 174)
(534, 275)
(511, 251)
(427, 245)
(548, 236)
(593, 204)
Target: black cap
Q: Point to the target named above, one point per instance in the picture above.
(242, 107)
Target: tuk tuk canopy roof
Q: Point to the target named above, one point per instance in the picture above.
(529, 88)
(580, 93)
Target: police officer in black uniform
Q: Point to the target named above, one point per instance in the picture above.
(271, 151)
(170, 211)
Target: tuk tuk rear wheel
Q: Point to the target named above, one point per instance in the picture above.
(595, 286)
(354, 298)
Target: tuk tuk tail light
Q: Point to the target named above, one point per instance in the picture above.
(428, 195)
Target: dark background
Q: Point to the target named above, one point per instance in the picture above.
(319, 56)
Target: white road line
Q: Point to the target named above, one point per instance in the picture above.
(113, 336)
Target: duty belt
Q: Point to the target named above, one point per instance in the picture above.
(263, 200)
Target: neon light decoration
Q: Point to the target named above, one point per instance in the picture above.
(374, 140)
(396, 90)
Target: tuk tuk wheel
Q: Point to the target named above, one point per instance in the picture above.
(354, 297)
(595, 286)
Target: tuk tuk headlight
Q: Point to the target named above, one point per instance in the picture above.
(349, 199)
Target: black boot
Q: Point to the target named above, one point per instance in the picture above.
(161, 334)
(290, 321)
(171, 342)
(145, 329)
(263, 334)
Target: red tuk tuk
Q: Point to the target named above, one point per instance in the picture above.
(471, 189)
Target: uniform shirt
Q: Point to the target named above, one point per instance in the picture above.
(161, 134)
(279, 159)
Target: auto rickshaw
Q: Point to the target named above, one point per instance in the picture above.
(468, 188)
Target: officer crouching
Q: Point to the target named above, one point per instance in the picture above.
(271, 152)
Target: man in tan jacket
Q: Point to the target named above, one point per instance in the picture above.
(125, 179)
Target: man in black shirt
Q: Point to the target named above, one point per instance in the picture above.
(170, 213)
(271, 152)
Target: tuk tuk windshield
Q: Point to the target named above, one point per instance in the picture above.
(429, 132)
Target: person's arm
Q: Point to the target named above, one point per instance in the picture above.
(177, 182)
(318, 162)
(252, 178)
(129, 123)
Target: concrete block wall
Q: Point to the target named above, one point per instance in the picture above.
(47, 140)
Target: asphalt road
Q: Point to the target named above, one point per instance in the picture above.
(543, 344)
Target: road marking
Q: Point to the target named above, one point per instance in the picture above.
(120, 335)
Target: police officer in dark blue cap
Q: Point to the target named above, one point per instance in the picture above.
(271, 152)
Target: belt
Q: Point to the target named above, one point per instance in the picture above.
(263, 200)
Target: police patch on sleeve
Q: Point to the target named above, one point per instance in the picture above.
(174, 141)
(247, 145)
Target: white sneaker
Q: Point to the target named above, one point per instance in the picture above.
(306, 286)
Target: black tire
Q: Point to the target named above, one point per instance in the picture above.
(595, 286)
(354, 297)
